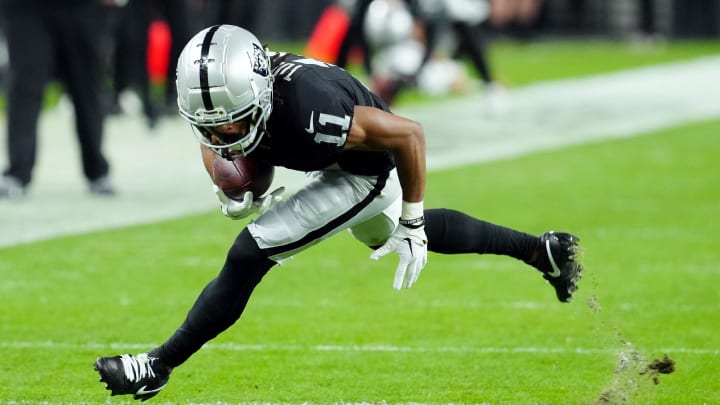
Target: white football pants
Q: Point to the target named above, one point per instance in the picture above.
(332, 201)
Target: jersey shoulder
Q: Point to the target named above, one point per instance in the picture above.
(308, 93)
(311, 78)
(305, 86)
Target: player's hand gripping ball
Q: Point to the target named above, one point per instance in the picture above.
(242, 174)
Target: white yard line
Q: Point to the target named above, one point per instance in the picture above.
(117, 401)
(159, 174)
(368, 348)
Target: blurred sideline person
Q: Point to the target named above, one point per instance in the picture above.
(397, 45)
(355, 36)
(419, 43)
(60, 39)
(177, 15)
(130, 61)
(463, 19)
(367, 170)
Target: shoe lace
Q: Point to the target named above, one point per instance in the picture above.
(137, 367)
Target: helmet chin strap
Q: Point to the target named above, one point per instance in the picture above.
(225, 153)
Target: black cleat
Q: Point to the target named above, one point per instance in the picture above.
(140, 375)
(560, 266)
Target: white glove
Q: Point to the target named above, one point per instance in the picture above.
(234, 209)
(410, 243)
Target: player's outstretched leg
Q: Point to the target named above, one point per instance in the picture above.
(559, 264)
(141, 375)
(555, 254)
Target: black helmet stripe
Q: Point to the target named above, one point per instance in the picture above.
(204, 84)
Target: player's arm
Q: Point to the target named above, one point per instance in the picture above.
(375, 129)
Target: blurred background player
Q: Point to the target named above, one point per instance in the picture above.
(420, 44)
(355, 37)
(47, 40)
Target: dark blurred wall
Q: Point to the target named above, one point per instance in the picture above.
(270, 20)
(623, 18)
(696, 18)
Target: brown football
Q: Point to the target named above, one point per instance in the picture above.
(242, 174)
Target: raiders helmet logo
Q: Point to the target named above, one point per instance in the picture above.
(260, 62)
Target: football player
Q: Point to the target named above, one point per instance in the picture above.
(368, 176)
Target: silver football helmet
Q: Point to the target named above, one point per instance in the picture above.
(223, 76)
(387, 23)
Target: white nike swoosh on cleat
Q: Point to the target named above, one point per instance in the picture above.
(311, 129)
(556, 269)
(142, 391)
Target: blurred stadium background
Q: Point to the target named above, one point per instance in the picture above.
(284, 20)
(294, 20)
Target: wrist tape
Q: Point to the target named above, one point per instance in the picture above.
(413, 223)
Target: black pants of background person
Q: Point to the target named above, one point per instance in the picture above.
(470, 43)
(129, 65)
(176, 14)
(47, 42)
(129, 57)
(355, 36)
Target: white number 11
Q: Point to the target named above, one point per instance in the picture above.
(329, 119)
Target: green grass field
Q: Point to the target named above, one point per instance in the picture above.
(327, 327)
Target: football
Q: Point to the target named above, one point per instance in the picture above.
(236, 177)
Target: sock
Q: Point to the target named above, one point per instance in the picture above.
(453, 232)
(220, 304)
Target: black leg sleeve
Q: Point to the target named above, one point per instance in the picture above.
(453, 232)
(221, 302)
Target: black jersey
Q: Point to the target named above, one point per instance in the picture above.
(313, 106)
